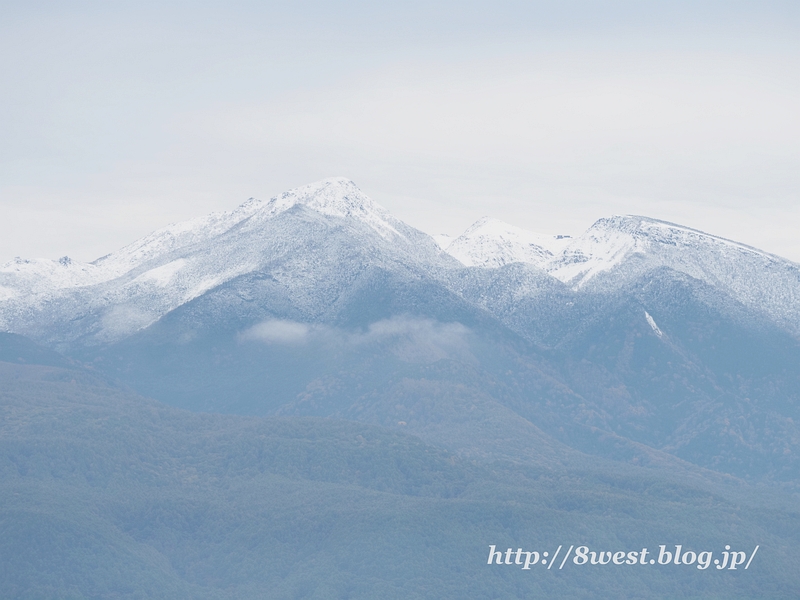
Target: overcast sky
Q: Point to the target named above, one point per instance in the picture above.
(117, 118)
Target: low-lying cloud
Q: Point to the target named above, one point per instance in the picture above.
(417, 340)
(411, 339)
(277, 331)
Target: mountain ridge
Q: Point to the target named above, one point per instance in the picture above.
(321, 294)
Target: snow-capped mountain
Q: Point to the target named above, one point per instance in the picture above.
(337, 197)
(617, 250)
(128, 290)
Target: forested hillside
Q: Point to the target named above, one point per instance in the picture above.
(107, 494)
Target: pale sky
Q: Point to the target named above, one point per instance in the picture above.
(117, 118)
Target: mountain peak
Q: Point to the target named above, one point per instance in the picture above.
(337, 197)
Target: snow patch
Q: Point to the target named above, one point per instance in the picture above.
(652, 323)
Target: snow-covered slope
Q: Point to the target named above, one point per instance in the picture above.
(616, 250)
(493, 243)
(130, 289)
(609, 242)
